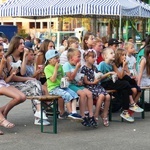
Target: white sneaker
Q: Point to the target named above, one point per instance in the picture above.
(136, 108)
(126, 116)
(38, 122)
(38, 115)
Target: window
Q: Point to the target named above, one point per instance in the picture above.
(32, 25)
(44, 24)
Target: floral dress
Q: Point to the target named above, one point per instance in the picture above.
(96, 89)
(29, 88)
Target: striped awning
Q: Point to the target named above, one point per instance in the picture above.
(87, 7)
(9, 8)
(130, 8)
(144, 8)
(28, 8)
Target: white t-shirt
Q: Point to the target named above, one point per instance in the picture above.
(131, 62)
(64, 59)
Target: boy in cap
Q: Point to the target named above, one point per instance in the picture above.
(54, 73)
(113, 44)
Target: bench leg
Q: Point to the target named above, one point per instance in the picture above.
(143, 105)
(55, 116)
(110, 108)
(42, 108)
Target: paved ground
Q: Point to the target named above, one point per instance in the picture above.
(72, 135)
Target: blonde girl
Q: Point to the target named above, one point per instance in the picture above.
(130, 59)
(121, 68)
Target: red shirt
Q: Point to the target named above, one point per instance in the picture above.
(99, 59)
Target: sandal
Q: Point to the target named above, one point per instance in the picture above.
(85, 122)
(96, 119)
(1, 133)
(5, 123)
(92, 121)
(105, 122)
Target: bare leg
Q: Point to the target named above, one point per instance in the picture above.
(74, 105)
(68, 105)
(16, 95)
(44, 89)
(106, 106)
(101, 98)
(136, 99)
(89, 103)
(61, 105)
(82, 102)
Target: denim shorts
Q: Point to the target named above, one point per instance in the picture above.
(67, 94)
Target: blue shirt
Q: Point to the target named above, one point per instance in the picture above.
(105, 68)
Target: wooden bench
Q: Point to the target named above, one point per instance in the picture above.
(47, 98)
(142, 99)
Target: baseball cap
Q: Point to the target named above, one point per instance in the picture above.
(113, 41)
(51, 53)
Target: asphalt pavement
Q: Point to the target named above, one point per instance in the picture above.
(72, 135)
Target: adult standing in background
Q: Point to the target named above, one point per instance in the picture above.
(141, 52)
(113, 44)
(28, 43)
(37, 45)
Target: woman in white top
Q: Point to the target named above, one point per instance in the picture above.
(144, 68)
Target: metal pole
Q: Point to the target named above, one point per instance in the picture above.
(127, 24)
(120, 24)
(50, 23)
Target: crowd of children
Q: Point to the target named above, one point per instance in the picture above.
(80, 73)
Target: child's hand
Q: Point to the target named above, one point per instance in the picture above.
(14, 72)
(40, 68)
(96, 81)
(37, 72)
(134, 77)
(3, 61)
(78, 65)
(26, 52)
(57, 66)
(80, 83)
(124, 63)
